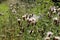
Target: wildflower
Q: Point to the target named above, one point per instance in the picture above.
(32, 21)
(19, 20)
(25, 16)
(13, 11)
(58, 13)
(56, 21)
(58, 9)
(56, 38)
(52, 8)
(49, 34)
(11, 5)
(54, 11)
(55, 18)
(30, 15)
(47, 38)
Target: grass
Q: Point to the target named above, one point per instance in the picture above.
(4, 18)
(9, 26)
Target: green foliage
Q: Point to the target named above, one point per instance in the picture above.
(2, 1)
(10, 28)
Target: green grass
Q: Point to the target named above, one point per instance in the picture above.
(10, 27)
(4, 18)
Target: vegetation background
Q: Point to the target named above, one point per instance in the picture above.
(9, 28)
